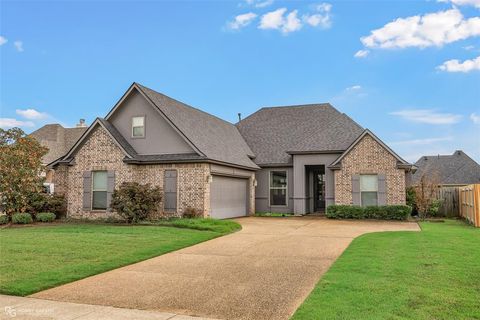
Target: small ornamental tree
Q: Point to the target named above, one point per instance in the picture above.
(20, 168)
(426, 193)
(135, 202)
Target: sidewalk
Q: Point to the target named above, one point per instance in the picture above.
(30, 308)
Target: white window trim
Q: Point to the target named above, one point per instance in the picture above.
(144, 127)
(270, 188)
(93, 190)
(360, 187)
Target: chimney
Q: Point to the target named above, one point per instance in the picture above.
(239, 117)
(81, 124)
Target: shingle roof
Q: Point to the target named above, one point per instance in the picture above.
(217, 139)
(165, 158)
(118, 137)
(57, 139)
(274, 131)
(457, 168)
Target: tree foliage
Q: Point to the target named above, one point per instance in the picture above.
(20, 168)
(426, 194)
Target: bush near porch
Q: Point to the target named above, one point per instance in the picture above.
(391, 212)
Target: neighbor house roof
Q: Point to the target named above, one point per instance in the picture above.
(274, 133)
(457, 168)
(216, 139)
(57, 139)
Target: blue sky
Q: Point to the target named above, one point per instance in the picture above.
(407, 70)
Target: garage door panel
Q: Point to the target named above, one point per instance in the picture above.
(228, 197)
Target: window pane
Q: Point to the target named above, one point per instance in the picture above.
(278, 197)
(100, 180)
(368, 183)
(138, 131)
(99, 200)
(138, 121)
(278, 179)
(369, 199)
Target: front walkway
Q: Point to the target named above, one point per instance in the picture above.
(264, 271)
(16, 308)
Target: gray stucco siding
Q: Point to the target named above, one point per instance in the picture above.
(262, 190)
(303, 202)
(160, 136)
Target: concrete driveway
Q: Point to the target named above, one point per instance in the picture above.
(264, 271)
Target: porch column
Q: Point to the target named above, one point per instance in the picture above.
(299, 199)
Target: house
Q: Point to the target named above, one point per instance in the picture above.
(296, 159)
(58, 140)
(457, 169)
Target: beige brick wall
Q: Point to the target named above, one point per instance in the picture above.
(99, 152)
(370, 157)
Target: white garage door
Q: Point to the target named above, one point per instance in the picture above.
(228, 197)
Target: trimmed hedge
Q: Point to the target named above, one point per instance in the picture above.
(3, 219)
(22, 218)
(392, 212)
(45, 216)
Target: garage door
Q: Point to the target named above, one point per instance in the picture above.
(228, 197)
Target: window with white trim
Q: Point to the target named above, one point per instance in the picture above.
(138, 127)
(278, 188)
(369, 189)
(99, 190)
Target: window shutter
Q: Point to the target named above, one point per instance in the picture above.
(356, 189)
(382, 190)
(87, 190)
(110, 187)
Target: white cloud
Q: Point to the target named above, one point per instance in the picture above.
(433, 29)
(273, 19)
(417, 142)
(3, 40)
(18, 45)
(475, 3)
(355, 87)
(455, 65)
(31, 114)
(259, 3)
(427, 116)
(320, 19)
(242, 20)
(292, 23)
(468, 48)
(475, 118)
(10, 123)
(361, 53)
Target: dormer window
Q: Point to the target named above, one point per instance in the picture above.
(138, 127)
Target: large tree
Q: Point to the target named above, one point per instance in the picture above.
(20, 169)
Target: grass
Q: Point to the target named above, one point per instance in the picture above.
(36, 258)
(433, 274)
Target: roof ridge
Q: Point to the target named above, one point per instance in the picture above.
(322, 104)
(185, 104)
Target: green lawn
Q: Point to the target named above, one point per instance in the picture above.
(433, 274)
(35, 258)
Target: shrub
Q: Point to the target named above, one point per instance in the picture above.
(434, 207)
(45, 216)
(22, 218)
(135, 202)
(391, 212)
(3, 219)
(190, 212)
(43, 202)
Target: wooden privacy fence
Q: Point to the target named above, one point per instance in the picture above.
(450, 201)
(470, 203)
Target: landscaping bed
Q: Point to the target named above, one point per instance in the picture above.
(432, 274)
(39, 257)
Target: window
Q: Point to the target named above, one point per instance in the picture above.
(138, 127)
(278, 188)
(369, 190)
(99, 190)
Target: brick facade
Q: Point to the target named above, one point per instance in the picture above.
(369, 157)
(100, 152)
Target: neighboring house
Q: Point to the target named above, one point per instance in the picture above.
(457, 169)
(58, 140)
(285, 159)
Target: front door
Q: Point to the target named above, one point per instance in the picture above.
(318, 190)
